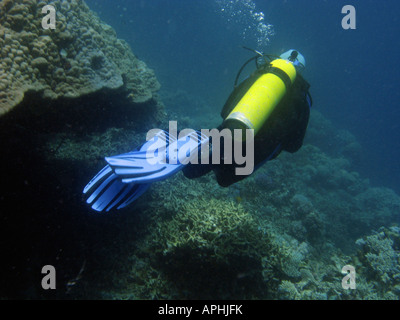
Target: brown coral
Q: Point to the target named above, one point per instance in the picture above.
(81, 56)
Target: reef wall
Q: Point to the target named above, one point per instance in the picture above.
(80, 56)
(68, 97)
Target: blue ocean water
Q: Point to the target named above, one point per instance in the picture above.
(285, 232)
(353, 73)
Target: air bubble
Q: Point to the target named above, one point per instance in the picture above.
(243, 13)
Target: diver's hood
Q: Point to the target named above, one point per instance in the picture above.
(299, 61)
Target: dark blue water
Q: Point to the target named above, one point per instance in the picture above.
(353, 73)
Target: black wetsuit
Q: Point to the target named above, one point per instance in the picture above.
(284, 129)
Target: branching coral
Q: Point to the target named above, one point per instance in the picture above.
(380, 256)
(214, 240)
(205, 247)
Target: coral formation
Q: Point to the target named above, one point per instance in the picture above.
(202, 244)
(324, 135)
(210, 239)
(80, 56)
(379, 261)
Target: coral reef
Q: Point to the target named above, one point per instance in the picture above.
(323, 134)
(203, 244)
(210, 239)
(379, 261)
(379, 205)
(337, 196)
(80, 56)
(68, 97)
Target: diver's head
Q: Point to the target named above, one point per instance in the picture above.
(296, 58)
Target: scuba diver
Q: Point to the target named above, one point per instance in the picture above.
(273, 104)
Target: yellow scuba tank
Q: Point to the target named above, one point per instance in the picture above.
(263, 96)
